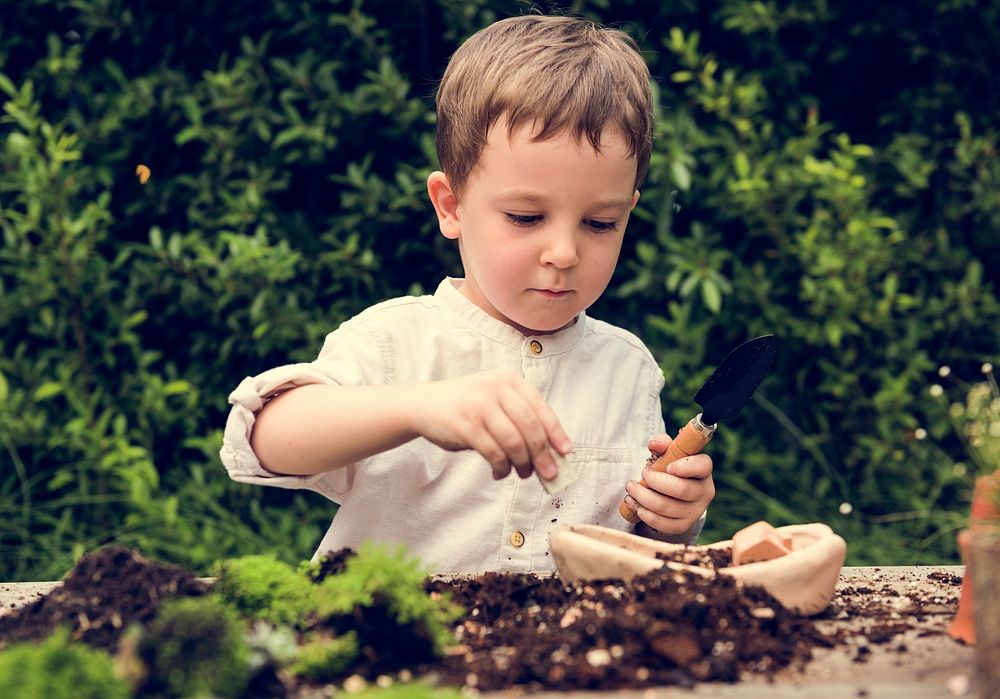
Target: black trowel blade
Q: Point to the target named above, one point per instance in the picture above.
(730, 387)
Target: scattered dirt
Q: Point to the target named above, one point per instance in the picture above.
(880, 614)
(106, 591)
(537, 632)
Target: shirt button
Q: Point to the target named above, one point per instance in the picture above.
(535, 346)
(517, 539)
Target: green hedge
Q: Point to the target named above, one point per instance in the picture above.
(826, 172)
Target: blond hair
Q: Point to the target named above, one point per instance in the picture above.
(555, 74)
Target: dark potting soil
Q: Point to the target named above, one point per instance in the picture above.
(712, 558)
(331, 564)
(107, 590)
(659, 629)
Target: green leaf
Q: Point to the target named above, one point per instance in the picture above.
(176, 387)
(48, 390)
(137, 318)
(681, 175)
(4, 388)
(7, 85)
(711, 295)
(687, 288)
(742, 165)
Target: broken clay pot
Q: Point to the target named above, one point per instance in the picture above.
(802, 580)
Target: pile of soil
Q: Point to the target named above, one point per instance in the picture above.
(659, 629)
(106, 591)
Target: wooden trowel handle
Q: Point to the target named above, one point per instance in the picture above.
(690, 440)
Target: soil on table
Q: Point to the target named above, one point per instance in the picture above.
(106, 591)
(534, 632)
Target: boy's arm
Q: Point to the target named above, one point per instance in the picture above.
(317, 428)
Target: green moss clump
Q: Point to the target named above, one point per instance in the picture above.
(378, 577)
(324, 658)
(265, 588)
(409, 690)
(195, 647)
(59, 669)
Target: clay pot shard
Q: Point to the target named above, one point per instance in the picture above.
(758, 542)
(802, 580)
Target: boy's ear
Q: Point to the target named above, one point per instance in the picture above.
(445, 203)
(635, 199)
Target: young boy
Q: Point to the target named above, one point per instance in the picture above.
(417, 410)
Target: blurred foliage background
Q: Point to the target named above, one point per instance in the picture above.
(827, 172)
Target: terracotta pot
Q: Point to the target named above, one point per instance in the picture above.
(985, 548)
(963, 626)
(983, 515)
(803, 580)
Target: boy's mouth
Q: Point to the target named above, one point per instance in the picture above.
(554, 293)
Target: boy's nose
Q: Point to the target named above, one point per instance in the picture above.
(561, 250)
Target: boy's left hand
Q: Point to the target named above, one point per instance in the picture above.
(673, 501)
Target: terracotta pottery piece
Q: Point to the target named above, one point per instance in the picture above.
(802, 580)
(985, 550)
(983, 515)
(963, 626)
(758, 542)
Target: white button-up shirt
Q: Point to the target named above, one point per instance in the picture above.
(444, 506)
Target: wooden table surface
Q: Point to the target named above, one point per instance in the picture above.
(922, 663)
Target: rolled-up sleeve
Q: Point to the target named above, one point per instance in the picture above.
(338, 364)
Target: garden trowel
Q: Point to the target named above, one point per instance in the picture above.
(721, 398)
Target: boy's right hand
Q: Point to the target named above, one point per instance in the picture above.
(498, 414)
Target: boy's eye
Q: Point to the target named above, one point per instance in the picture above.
(601, 226)
(523, 219)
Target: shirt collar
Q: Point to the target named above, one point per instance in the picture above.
(453, 301)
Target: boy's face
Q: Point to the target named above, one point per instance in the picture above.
(539, 224)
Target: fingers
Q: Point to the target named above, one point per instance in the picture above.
(488, 447)
(687, 479)
(529, 430)
(665, 506)
(499, 415)
(659, 444)
(525, 438)
(696, 466)
(672, 501)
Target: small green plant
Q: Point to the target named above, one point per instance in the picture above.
(975, 418)
(981, 422)
(195, 647)
(324, 658)
(379, 577)
(265, 588)
(59, 669)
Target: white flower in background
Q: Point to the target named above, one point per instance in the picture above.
(936, 390)
(986, 368)
(846, 508)
(920, 433)
(944, 371)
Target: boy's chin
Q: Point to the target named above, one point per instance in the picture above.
(547, 326)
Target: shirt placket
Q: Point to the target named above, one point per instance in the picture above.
(520, 532)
